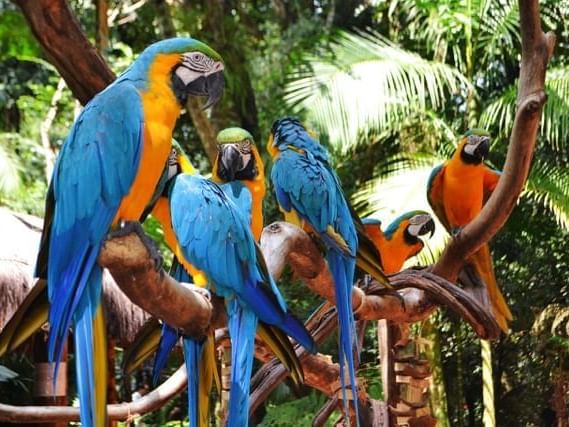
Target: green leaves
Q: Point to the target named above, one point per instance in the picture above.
(370, 83)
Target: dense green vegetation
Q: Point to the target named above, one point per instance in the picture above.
(389, 85)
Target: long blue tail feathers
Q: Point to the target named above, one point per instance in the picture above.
(342, 269)
(242, 326)
(168, 338)
(193, 355)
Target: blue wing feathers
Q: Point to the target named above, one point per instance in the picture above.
(96, 167)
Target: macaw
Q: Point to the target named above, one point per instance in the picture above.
(309, 193)
(213, 236)
(457, 190)
(103, 179)
(33, 312)
(150, 337)
(239, 161)
(401, 239)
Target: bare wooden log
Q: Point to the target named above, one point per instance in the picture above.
(537, 48)
(120, 412)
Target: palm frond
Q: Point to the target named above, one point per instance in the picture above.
(548, 185)
(370, 84)
(554, 127)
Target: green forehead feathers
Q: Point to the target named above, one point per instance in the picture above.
(233, 135)
(477, 132)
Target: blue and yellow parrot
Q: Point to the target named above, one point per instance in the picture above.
(200, 364)
(309, 193)
(103, 179)
(401, 239)
(457, 190)
(214, 237)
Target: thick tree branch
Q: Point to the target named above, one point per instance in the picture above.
(123, 411)
(537, 49)
(284, 243)
(130, 264)
(68, 49)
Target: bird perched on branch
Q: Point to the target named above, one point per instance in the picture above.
(457, 190)
(401, 240)
(310, 195)
(104, 178)
(201, 373)
(214, 236)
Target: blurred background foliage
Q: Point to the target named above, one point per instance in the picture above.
(389, 85)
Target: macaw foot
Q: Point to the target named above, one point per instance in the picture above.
(202, 291)
(127, 227)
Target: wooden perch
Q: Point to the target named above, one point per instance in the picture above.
(537, 49)
(130, 264)
(122, 411)
(283, 243)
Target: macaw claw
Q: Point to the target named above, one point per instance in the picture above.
(127, 227)
(202, 291)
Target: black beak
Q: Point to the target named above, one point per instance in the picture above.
(483, 147)
(229, 162)
(427, 227)
(215, 83)
(211, 86)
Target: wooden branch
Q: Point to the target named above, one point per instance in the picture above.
(130, 264)
(283, 243)
(118, 412)
(537, 49)
(68, 49)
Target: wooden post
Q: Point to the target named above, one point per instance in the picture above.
(44, 393)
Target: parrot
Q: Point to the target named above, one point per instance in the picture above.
(150, 337)
(457, 190)
(401, 239)
(103, 179)
(32, 313)
(214, 239)
(309, 193)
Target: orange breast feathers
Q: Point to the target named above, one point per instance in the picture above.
(463, 191)
(161, 110)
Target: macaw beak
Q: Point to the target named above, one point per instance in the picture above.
(479, 148)
(215, 83)
(483, 147)
(420, 225)
(185, 82)
(230, 162)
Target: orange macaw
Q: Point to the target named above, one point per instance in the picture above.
(457, 190)
(401, 240)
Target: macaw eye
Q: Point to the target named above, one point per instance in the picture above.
(245, 147)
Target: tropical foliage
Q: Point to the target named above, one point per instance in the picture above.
(390, 85)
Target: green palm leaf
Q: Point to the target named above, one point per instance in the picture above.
(370, 84)
(554, 126)
(548, 185)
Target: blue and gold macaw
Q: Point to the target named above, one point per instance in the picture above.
(103, 179)
(401, 240)
(213, 238)
(457, 190)
(309, 193)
